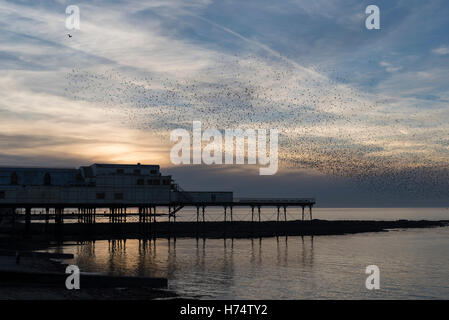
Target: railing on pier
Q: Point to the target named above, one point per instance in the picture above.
(275, 201)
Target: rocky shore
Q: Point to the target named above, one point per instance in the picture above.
(236, 229)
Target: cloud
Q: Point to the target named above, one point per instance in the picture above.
(389, 67)
(441, 51)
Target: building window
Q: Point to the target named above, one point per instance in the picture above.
(47, 179)
(156, 182)
(101, 196)
(2, 194)
(166, 182)
(118, 196)
(120, 171)
(140, 182)
(14, 178)
(149, 182)
(136, 171)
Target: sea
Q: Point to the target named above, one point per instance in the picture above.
(412, 263)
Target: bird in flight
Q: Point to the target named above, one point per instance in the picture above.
(69, 35)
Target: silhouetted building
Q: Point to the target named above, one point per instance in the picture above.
(98, 184)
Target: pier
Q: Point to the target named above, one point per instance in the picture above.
(150, 213)
(120, 192)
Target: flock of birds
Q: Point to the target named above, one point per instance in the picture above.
(324, 123)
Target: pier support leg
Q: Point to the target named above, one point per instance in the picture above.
(285, 213)
(302, 213)
(204, 208)
(27, 219)
(310, 212)
(56, 215)
(59, 219)
(146, 214)
(47, 215)
(13, 218)
(197, 214)
(278, 214)
(258, 211)
(225, 208)
(154, 211)
(252, 213)
(231, 214)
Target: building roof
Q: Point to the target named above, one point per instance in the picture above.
(107, 165)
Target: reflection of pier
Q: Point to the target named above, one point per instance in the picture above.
(205, 262)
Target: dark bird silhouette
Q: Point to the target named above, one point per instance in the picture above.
(69, 35)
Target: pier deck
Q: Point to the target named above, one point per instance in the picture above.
(149, 213)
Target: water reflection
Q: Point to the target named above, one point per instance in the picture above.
(307, 251)
(201, 263)
(280, 267)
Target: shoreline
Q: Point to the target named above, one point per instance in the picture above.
(215, 230)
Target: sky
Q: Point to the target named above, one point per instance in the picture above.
(362, 114)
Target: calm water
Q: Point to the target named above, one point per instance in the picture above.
(413, 263)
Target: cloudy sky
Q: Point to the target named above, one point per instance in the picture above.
(362, 114)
